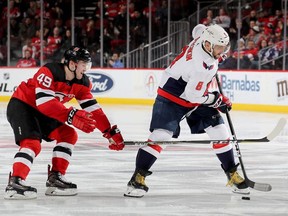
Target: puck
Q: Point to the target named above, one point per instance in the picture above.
(245, 198)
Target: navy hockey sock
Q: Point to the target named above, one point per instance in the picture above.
(227, 159)
(144, 160)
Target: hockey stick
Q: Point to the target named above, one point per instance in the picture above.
(277, 129)
(250, 183)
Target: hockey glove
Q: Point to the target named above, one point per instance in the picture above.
(81, 120)
(115, 138)
(221, 102)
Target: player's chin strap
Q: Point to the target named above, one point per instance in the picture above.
(205, 49)
(72, 70)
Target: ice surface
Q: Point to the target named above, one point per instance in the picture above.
(186, 180)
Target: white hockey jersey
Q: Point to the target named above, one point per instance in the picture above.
(187, 79)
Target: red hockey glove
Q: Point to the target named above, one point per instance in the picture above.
(81, 120)
(221, 102)
(115, 138)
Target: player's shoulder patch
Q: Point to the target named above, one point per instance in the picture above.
(57, 70)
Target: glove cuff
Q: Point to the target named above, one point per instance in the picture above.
(71, 114)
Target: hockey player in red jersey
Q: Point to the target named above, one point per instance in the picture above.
(36, 112)
(183, 92)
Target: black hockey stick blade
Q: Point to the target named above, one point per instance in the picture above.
(275, 132)
(258, 186)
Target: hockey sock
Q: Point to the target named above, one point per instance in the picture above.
(147, 156)
(66, 138)
(23, 159)
(224, 152)
(62, 153)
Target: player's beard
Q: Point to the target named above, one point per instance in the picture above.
(217, 56)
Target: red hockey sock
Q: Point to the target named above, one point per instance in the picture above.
(66, 138)
(23, 159)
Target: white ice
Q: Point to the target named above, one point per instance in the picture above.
(186, 180)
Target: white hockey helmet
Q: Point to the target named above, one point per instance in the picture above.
(216, 35)
(197, 30)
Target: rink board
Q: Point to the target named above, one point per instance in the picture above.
(248, 90)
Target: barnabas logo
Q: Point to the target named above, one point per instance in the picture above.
(100, 82)
(244, 84)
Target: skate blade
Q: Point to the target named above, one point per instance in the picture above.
(245, 191)
(134, 192)
(54, 191)
(13, 195)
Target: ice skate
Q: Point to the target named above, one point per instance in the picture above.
(236, 181)
(57, 185)
(18, 190)
(136, 187)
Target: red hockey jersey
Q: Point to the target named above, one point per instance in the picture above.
(48, 90)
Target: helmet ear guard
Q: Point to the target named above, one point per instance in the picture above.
(68, 56)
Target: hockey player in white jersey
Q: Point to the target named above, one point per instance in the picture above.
(184, 89)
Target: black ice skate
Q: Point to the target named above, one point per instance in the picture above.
(17, 189)
(236, 181)
(57, 185)
(136, 187)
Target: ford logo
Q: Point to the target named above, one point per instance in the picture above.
(100, 82)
